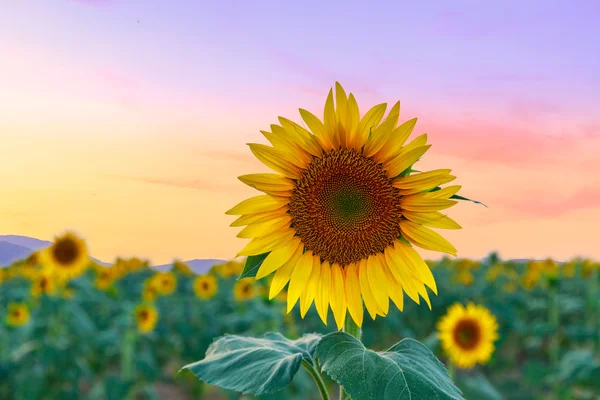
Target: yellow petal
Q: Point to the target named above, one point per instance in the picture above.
(422, 181)
(394, 288)
(425, 238)
(419, 141)
(355, 304)
(352, 120)
(444, 193)
(277, 258)
(337, 297)
(368, 122)
(258, 204)
(283, 273)
(412, 258)
(268, 182)
(264, 244)
(376, 277)
(299, 279)
(317, 128)
(400, 163)
(264, 228)
(432, 220)
(322, 296)
(400, 271)
(290, 150)
(275, 160)
(340, 103)
(419, 203)
(254, 218)
(330, 121)
(382, 133)
(365, 288)
(308, 295)
(395, 141)
(302, 137)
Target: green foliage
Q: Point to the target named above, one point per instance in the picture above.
(407, 370)
(252, 265)
(254, 365)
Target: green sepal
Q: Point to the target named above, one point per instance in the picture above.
(252, 265)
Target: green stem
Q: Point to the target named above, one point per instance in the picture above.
(451, 370)
(554, 320)
(593, 319)
(318, 379)
(351, 328)
(128, 357)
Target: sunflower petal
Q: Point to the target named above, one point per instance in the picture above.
(337, 298)
(401, 162)
(299, 279)
(365, 288)
(255, 218)
(382, 133)
(419, 141)
(309, 293)
(304, 138)
(395, 140)
(412, 258)
(368, 122)
(258, 204)
(264, 244)
(425, 237)
(351, 123)
(330, 121)
(270, 182)
(400, 272)
(283, 273)
(290, 149)
(394, 288)
(264, 228)
(431, 220)
(419, 203)
(277, 258)
(322, 295)
(355, 304)
(423, 181)
(444, 193)
(377, 282)
(275, 160)
(316, 127)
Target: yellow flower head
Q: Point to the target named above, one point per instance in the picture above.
(18, 314)
(146, 317)
(67, 257)
(205, 286)
(150, 290)
(531, 278)
(550, 268)
(467, 334)
(104, 278)
(226, 270)
(164, 282)
(43, 284)
(464, 277)
(33, 259)
(182, 268)
(587, 266)
(244, 289)
(341, 215)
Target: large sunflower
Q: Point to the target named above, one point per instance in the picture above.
(468, 334)
(344, 210)
(67, 257)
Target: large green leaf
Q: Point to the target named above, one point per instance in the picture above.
(579, 367)
(252, 265)
(406, 371)
(254, 365)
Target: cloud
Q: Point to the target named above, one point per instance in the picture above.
(196, 184)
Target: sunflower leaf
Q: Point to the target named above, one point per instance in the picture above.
(252, 265)
(407, 370)
(254, 365)
(457, 197)
(477, 386)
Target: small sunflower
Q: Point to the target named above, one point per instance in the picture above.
(104, 278)
(244, 289)
(165, 283)
(146, 317)
(205, 286)
(226, 270)
(464, 277)
(67, 257)
(182, 268)
(149, 291)
(18, 314)
(340, 217)
(44, 284)
(467, 334)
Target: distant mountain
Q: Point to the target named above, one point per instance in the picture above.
(25, 241)
(10, 252)
(197, 265)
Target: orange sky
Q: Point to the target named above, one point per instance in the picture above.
(139, 153)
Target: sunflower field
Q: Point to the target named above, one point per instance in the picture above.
(124, 331)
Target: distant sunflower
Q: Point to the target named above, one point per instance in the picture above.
(205, 286)
(104, 278)
(244, 289)
(18, 314)
(67, 257)
(467, 334)
(43, 284)
(146, 317)
(164, 282)
(341, 215)
(149, 291)
(182, 268)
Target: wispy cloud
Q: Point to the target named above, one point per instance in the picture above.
(196, 184)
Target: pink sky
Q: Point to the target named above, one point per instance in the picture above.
(127, 121)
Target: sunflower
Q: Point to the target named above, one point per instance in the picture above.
(18, 314)
(149, 291)
(244, 290)
(464, 277)
(205, 286)
(67, 257)
(104, 278)
(467, 334)
(43, 284)
(146, 317)
(341, 216)
(165, 283)
(182, 268)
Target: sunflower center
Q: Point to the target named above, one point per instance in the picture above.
(17, 314)
(246, 289)
(467, 334)
(143, 315)
(65, 252)
(43, 283)
(344, 207)
(205, 285)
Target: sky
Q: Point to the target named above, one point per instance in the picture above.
(127, 121)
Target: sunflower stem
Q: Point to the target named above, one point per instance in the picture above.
(593, 318)
(318, 379)
(128, 357)
(451, 370)
(351, 328)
